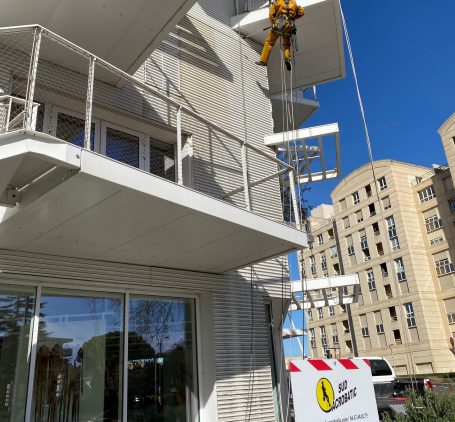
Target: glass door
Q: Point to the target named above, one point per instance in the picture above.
(78, 369)
(161, 360)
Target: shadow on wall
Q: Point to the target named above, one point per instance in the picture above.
(195, 50)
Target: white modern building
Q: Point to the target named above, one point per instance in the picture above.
(143, 271)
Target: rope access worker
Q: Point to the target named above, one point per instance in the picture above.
(282, 15)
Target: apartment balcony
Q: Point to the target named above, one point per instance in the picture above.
(320, 57)
(72, 183)
(321, 292)
(124, 33)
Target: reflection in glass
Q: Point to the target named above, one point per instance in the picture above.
(161, 352)
(122, 147)
(78, 370)
(72, 130)
(16, 313)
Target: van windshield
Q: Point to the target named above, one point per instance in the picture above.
(380, 368)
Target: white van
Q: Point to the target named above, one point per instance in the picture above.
(383, 376)
(381, 369)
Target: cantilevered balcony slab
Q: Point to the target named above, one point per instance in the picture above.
(73, 202)
(122, 32)
(328, 291)
(313, 151)
(320, 54)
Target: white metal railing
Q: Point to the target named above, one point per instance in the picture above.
(323, 223)
(35, 56)
(13, 113)
(428, 174)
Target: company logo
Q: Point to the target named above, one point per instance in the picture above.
(325, 395)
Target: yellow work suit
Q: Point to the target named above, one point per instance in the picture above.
(290, 12)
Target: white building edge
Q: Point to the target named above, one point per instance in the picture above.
(149, 205)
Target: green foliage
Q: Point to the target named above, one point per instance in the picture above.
(433, 406)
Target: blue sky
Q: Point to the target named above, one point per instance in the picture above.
(405, 59)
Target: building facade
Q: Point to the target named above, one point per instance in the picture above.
(143, 269)
(396, 231)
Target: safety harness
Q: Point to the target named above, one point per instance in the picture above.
(284, 24)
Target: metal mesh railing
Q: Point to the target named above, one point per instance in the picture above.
(55, 87)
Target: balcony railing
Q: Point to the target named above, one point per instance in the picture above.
(58, 88)
(428, 174)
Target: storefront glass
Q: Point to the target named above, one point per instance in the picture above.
(78, 373)
(161, 353)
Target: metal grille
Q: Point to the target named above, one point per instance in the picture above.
(72, 129)
(53, 86)
(162, 159)
(122, 147)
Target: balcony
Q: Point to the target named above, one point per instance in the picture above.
(320, 57)
(328, 291)
(123, 33)
(75, 184)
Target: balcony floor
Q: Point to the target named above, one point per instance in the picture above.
(89, 206)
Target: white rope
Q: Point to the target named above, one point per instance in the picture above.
(368, 141)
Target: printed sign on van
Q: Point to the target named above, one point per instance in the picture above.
(333, 390)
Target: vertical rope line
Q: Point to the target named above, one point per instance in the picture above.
(370, 153)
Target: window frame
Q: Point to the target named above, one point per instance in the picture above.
(196, 407)
(426, 194)
(382, 183)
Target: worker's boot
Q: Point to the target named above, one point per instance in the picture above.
(287, 62)
(261, 63)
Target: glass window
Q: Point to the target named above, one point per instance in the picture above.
(313, 264)
(335, 334)
(410, 317)
(371, 280)
(444, 267)
(399, 267)
(122, 146)
(310, 315)
(78, 374)
(72, 129)
(313, 338)
(320, 239)
(331, 310)
(433, 223)
(355, 198)
(320, 313)
(379, 367)
(323, 336)
(323, 262)
(16, 312)
(161, 359)
(386, 203)
(359, 216)
(162, 159)
(427, 194)
(346, 222)
(382, 183)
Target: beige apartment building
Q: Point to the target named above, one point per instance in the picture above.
(395, 228)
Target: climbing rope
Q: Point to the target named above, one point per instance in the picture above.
(370, 153)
